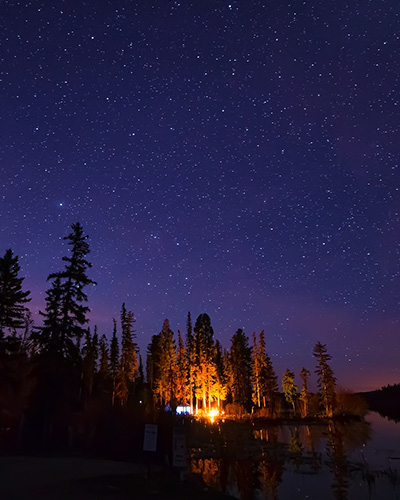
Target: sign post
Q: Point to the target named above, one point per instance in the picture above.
(150, 441)
(179, 450)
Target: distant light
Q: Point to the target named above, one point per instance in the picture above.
(182, 410)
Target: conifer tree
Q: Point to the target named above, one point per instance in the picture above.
(181, 373)
(114, 360)
(168, 365)
(153, 369)
(240, 369)
(12, 296)
(204, 360)
(65, 314)
(221, 377)
(47, 338)
(191, 359)
(326, 381)
(141, 372)
(269, 387)
(89, 361)
(104, 363)
(129, 359)
(127, 369)
(289, 388)
(265, 387)
(256, 373)
(304, 394)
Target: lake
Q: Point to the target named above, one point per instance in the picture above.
(352, 460)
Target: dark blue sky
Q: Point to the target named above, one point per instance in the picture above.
(234, 158)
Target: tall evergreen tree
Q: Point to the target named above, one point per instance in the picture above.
(104, 363)
(326, 381)
(289, 388)
(168, 365)
(12, 296)
(304, 394)
(47, 338)
(269, 385)
(221, 377)
(256, 373)
(65, 314)
(153, 369)
(114, 360)
(89, 362)
(191, 359)
(240, 369)
(204, 360)
(127, 371)
(182, 388)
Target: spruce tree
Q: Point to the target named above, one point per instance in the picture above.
(204, 360)
(191, 358)
(256, 373)
(153, 369)
(289, 388)
(104, 363)
(182, 388)
(168, 365)
(269, 385)
(240, 369)
(12, 296)
(129, 360)
(326, 381)
(65, 314)
(304, 394)
(127, 369)
(221, 378)
(114, 360)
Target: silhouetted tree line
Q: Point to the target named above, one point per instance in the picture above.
(61, 376)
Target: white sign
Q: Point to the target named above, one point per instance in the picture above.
(150, 437)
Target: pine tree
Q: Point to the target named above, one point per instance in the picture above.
(256, 373)
(127, 370)
(141, 372)
(221, 377)
(114, 360)
(265, 387)
(12, 297)
(304, 394)
(168, 365)
(240, 369)
(104, 363)
(191, 359)
(47, 339)
(153, 370)
(204, 360)
(65, 314)
(326, 381)
(129, 359)
(89, 362)
(181, 373)
(289, 388)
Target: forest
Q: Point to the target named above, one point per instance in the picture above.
(62, 384)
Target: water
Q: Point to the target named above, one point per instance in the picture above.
(354, 460)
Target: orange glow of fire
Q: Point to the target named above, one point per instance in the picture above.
(212, 414)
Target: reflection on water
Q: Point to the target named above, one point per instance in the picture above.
(335, 460)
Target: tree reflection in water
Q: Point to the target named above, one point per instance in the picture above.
(249, 462)
(337, 462)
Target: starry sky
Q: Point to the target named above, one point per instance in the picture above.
(238, 158)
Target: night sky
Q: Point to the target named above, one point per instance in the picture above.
(238, 158)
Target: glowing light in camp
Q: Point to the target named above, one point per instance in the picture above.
(212, 414)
